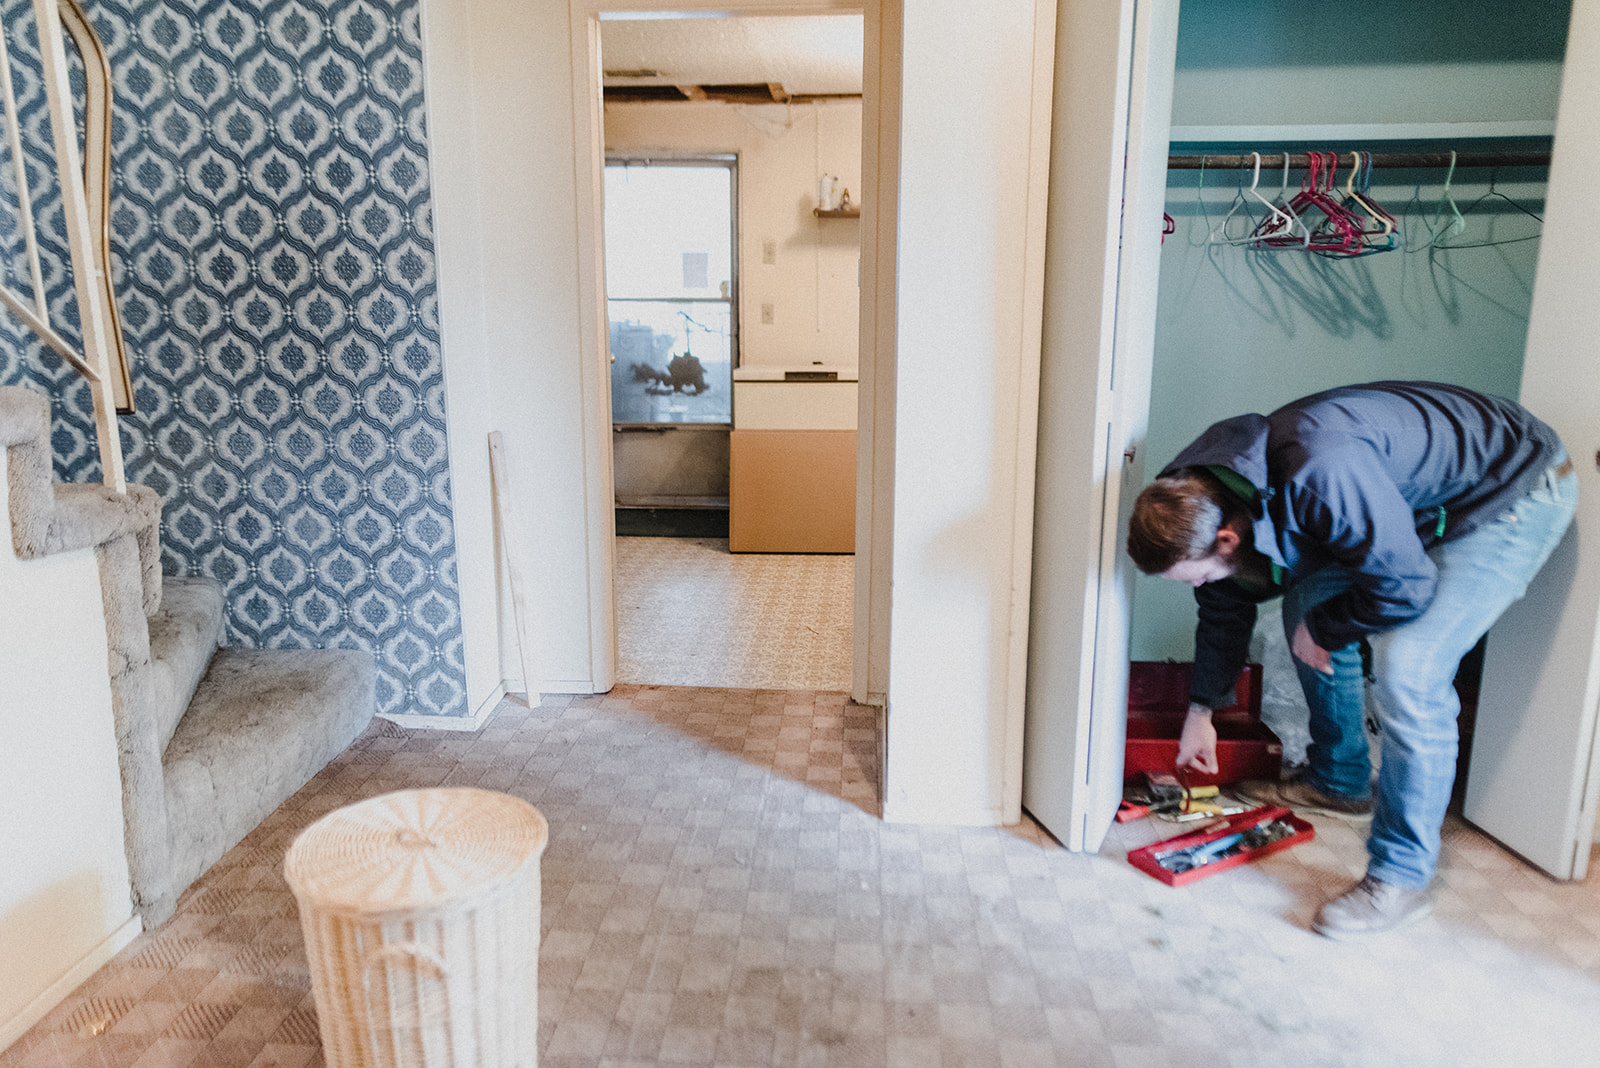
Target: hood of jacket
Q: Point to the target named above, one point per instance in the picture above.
(1238, 445)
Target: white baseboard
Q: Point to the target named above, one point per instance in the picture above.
(486, 708)
(57, 992)
(478, 718)
(563, 686)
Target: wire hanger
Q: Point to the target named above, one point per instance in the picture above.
(1495, 193)
(1457, 224)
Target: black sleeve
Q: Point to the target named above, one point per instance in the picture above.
(1221, 642)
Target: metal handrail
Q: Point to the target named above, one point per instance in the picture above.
(102, 361)
(97, 177)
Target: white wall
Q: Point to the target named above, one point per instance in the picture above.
(499, 82)
(520, 337)
(65, 903)
(974, 134)
(974, 92)
(812, 282)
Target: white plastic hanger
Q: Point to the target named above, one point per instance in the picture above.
(1219, 233)
(1282, 222)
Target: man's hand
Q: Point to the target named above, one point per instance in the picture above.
(1309, 653)
(1197, 747)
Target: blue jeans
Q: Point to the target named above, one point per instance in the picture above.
(1414, 666)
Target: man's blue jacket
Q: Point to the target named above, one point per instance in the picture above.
(1366, 478)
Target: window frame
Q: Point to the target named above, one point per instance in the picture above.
(730, 162)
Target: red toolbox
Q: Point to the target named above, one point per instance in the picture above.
(1158, 700)
(1166, 860)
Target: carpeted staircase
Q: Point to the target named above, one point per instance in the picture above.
(209, 740)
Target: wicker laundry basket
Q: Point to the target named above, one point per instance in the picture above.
(420, 910)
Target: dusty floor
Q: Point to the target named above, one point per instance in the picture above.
(719, 890)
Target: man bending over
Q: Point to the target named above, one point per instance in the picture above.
(1404, 515)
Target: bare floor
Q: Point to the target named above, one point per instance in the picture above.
(690, 613)
(719, 891)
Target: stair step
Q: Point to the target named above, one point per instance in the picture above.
(54, 517)
(184, 634)
(261, 724)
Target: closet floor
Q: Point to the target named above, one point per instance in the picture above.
(690, 613)
(719, 891)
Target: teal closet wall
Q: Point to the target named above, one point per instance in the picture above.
(1239, 330)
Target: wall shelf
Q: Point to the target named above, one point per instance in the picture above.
(837, 213)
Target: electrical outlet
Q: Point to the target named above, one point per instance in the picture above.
(769, 251)
(766, 313)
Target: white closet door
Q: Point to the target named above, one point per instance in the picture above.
(1532, 783)
(1108, 184)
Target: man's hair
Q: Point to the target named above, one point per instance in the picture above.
(1177, 518)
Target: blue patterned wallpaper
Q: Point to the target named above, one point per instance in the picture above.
(274, 261)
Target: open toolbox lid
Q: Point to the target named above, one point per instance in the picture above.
(1158, 700)
(1161, 688)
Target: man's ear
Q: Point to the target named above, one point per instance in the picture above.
(1228, 541)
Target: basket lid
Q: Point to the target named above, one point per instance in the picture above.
(413, 850)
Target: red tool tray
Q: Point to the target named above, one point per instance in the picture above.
(1158, 700)
(1145, 859)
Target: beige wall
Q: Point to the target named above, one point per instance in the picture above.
(974, 145)
(811, 285)
(953, 413)
(65, 904)
(500, 91)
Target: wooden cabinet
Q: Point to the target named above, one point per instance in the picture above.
(792, 491)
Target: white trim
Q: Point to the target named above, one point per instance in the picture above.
(584, 17)
(875, 396)
(477, 719)
(438, 723)
(572, 686)
(1368, 131)
(74, 977)
(588, 140)
(1025, 445)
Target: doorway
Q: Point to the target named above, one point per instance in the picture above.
(1538, 792)
(722, 282)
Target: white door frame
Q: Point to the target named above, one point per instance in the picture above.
(1108, 186)
(1534, 783)
(1534, 779)
(871, 630)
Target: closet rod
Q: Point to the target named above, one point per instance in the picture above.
(1412, 160)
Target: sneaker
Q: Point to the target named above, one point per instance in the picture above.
(1296, 793)
(1371, 907)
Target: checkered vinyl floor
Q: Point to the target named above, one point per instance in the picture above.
(690, 613)
(718, 890)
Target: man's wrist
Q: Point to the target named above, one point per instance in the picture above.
(1199, 710)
